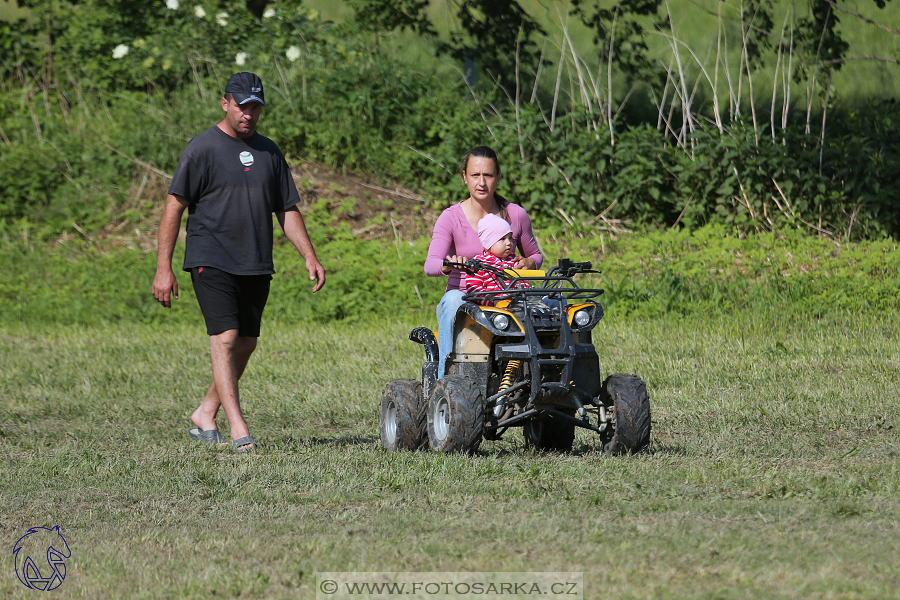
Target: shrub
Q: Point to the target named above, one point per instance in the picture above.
(712, 270)
(337, 97)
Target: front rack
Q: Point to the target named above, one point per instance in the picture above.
(568, 294)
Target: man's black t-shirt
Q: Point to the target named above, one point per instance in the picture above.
(233, 185)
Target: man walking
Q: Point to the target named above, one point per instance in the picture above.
(231, 180)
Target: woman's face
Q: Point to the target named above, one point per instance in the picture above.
(481, 177)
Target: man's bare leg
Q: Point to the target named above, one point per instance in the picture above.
(230, 354)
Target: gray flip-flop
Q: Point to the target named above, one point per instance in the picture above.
(244, 441)
(207, 436)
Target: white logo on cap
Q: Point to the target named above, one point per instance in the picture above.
(255, 90)
(246, 158)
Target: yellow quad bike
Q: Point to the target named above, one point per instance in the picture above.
(525, 361)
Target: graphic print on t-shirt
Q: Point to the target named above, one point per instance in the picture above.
(246, 158)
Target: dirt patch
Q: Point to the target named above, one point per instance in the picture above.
(378, 211)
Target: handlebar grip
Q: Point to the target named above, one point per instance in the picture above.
(447, 263)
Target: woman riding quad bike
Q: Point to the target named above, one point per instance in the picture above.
(521, 357)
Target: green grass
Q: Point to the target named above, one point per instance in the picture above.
(651, 273)
(773, 471)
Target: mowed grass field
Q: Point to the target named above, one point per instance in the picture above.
(773, 471)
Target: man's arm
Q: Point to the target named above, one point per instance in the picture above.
(164, 283)
(291, 222)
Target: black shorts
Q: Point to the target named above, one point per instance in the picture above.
(230, 301)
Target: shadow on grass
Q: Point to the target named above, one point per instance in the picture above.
(665, 449)
(347, 440)
(517, 451)
(652, 450)
(585, 450)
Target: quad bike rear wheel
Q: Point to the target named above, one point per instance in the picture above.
(627, 396)
(402, 418)
(546, 433)
(455, 415)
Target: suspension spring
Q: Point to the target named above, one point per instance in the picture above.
(509, 378)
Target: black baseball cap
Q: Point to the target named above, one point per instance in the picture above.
(245, 87)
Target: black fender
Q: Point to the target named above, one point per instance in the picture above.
(425, 336)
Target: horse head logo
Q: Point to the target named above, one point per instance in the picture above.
(46, 544)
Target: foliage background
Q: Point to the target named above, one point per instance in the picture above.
(603, 117)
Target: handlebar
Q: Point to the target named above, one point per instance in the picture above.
(556, 281)
(471, 265)
(565, 263)
(565, 268)
(569, 268)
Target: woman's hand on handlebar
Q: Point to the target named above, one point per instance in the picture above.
(452, 259)
(526, 264)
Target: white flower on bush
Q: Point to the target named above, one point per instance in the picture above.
(199, 11)
(270, 12)
(120, 51)
(172, 4)
(293, 53)
(240, 58)
(222, 19)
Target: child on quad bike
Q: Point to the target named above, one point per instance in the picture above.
(495, 234)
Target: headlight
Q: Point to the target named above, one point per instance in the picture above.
(500, 321)
(581, 318)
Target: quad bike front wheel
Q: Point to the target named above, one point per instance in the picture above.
(546, 433)
(627, 396)
(402, 418)
(455, 415)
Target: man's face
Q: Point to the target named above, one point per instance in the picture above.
(241, 119)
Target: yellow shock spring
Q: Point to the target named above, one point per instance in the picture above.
(509, 377)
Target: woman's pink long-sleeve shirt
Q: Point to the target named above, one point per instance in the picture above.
(454, 236)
